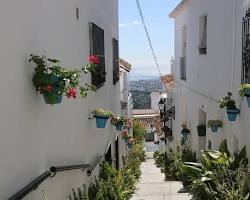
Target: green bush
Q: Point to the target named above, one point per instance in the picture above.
(115, 184)
(220, 175)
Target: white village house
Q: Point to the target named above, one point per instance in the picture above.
(207, 64)
(34, 135)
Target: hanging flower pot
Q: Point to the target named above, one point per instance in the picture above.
(214, 125)
(125, 136)
(232, 114)
(118, 122)
(245, 91)
(229, 103)
(119, 127)
(130, 146)
(201, 129)
(52, 93)
(53, 81)
(101, 117)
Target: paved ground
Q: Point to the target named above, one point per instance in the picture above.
(153, 187)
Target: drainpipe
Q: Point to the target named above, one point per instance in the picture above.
(233, 64)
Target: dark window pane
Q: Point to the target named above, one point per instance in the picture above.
(115, 61)
(97, 48)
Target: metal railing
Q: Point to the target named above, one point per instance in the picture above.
(51, 173)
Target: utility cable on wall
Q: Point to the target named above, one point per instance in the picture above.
(149, 41)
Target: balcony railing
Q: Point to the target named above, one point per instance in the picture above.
(183, 75)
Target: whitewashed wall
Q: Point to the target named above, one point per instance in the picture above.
(33, 135)
(211, 76)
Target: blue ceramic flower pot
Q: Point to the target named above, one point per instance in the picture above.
(247, 95)
(130, 146)
(214, 129)
(54, 96)
(119, 127)
(101, 121)
(52, 99)
(232, 114)
(126, 140)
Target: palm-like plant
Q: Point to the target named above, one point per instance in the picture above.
(215, 169)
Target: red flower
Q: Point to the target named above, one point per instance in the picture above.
(49, 88)
(71, 93)
(94, 60)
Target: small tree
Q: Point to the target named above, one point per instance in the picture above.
(139, 131)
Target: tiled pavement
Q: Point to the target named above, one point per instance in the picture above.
(153, 187)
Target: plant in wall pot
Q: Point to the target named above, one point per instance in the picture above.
(119, 122)
(214, 125)
(245, 91)
(125, 136)
(101, 117)
(202, 130)
(229, 103)
(130, 142)
(54, 81)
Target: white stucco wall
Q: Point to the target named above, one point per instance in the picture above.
(34, 135)
(211, 76)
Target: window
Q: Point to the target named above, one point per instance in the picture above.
(183, 58)
(245, 70)
(203, 35)
(116, 63)
(97, 48)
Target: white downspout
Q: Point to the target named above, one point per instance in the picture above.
(233, 64)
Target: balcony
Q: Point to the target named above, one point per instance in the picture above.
(183, 68)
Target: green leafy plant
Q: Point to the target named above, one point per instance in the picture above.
(217, 175)
(102, 112)
(52, 80)
(79, 193)
(118, 120)
(215, 123)
(227, 102)
(244, 88)
(115, 184)
(139, 131)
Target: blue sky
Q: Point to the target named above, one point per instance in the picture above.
(133, 43)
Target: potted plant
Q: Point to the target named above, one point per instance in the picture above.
(245, 91)
(101, 117)
(229, 103)
(214, 125)
(130, 142)
(202, 130)
(119, 122)
(54, 81)
(125, 136)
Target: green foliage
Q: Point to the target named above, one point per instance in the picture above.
(115, 184)
(138, 131)
(79, 194)
(219, 175)
(244, 88)
(215, 123)
(227, 102)
(51, 79)
(119, 120)
(102, 112)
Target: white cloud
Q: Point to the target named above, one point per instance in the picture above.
(134, 23)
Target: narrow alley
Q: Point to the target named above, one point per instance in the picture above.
(153, 187)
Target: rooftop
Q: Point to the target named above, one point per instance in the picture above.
(169, 81)
(125, 65)
(173, 12)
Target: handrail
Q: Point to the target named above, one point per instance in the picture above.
(51, 173)
(31, 186)
(56, 169)
(93, 165)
